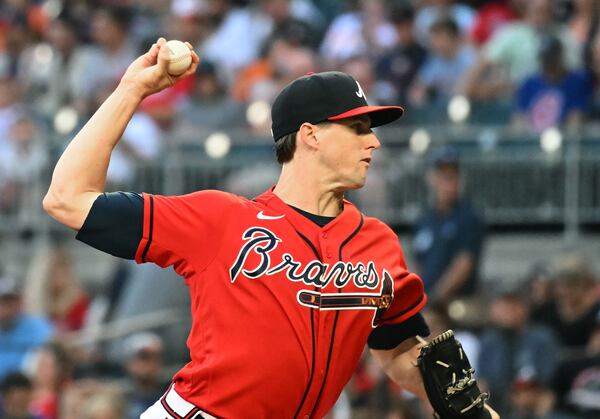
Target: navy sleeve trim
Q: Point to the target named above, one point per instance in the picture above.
(150, 229)
(115, 224)
(403, 312)
(389, 336)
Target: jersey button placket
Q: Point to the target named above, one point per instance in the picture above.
(328, 252)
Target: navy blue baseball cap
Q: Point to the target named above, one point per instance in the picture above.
(320, 97)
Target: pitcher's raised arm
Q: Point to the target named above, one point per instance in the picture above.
(80, 174)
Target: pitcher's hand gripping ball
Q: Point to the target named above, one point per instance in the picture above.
(448, 380)
(180, 57)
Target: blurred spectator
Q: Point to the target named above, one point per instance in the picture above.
(241, 34)
(47, 69)
(148, 292)
(330, 8)
(12, 44)
(20, 333)
(54, 290)
(22, 11)
(259, 71)
(574, 312)
(577, 380)
(208, 107)
(90, 399)
(492, 16)
(401, 409)
(23, 158)
(449, 235)
(511, 53)
(108, 403)
(16, 393)
(584, 21)
(595, 70)
(190, 21)
(363, 30)
(297, 20)
(110, 56)
(11, 106)
(143, 359)
(50, 369)
(288, 62)
(585, 25)
(397, 68)
(368, 388)
(540, 291)
(281, 63)
(529, 399)
(10, 12)
(141, 142)
(450, 58)
(437, 10)
(280, 11)
(514, 348)
(554, 96)
(237, 39)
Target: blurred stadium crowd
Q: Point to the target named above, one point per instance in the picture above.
(530, 65)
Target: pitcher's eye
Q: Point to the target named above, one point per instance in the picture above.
(360, 128)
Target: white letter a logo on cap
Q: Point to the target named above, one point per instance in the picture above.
(360, 92)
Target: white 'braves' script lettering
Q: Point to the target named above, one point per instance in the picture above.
(262, 241)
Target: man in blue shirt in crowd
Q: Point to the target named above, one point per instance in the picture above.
(555, 95)
(448, 237)
(20, 333)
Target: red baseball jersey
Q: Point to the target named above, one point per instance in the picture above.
(281, 308)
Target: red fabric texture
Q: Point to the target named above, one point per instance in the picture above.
(257, 349)
(364, 110)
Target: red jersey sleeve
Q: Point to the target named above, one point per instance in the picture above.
(184, 231)
(409, 293)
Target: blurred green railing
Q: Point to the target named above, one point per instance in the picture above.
(508, 175)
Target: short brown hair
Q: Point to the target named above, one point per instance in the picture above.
(285, 147)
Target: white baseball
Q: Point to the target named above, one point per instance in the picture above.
(181, 57)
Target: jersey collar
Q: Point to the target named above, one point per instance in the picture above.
(346, 221)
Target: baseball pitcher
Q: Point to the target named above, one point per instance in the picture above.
(286, 288)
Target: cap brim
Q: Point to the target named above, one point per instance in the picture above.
(380, 115)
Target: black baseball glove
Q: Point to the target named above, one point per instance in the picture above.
(448, 379)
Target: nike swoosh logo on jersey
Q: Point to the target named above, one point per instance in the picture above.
(262, 216)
